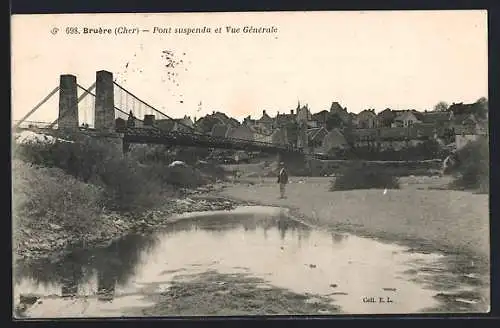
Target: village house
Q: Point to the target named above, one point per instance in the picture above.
(392, 138)
(385, 118)
(406, 119)
(363, 138)
(219, 130)
(184, 124)
(332, 141)
(315, 137)
(466, 122)
(319, 119)
(441, 119)
(337, 109)
(206, 123)
(259, 137)
(241, 132)
(396, 138)
(467, 128)
(283, 119)
(264, 124)
(367, 119)
(479, 109)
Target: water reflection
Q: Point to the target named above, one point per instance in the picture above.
(112, 265)
(337, 238)
(117, 263)
(287, 253)
(70, 278)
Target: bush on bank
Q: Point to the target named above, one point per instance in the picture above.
(472, 168)
(360, 176)
(127, 184)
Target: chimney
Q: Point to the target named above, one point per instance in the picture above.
(263, 112)
(291, 111)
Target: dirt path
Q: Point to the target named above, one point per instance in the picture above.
(442, 220)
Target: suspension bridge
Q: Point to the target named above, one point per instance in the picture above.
(108, 110)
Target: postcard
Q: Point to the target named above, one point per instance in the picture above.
(250, 163)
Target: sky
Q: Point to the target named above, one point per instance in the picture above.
(371, 59)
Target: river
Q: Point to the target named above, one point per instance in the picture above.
(356, 275)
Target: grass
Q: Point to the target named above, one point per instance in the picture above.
(48, 195)
(363, 177)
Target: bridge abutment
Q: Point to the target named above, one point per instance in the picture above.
(68, 103)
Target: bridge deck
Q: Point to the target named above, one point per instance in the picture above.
(157, 136)
(161, 137)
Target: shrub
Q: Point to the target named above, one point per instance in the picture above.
(126, 184)
(129, 186)
(472, 169)
(364, 177)
(144, 153)
(176, 176)
(43, 195)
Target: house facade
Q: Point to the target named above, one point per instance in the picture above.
(283, 119)
(332, 141)
(405, 119)
(367, 119)
(264, 124)
(241, 132)
(385, 118)
(315, 137)
(320, 119)
(219, 130)
(468, 128)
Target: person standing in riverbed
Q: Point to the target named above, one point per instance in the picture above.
(282, 179)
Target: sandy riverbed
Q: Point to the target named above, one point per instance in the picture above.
(417, 214)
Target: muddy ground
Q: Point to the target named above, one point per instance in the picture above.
(216, 294)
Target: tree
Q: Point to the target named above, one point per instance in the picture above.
(441, 107)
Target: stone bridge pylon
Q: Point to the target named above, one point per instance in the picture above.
(104, 108)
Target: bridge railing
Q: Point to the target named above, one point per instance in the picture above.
(31, 124)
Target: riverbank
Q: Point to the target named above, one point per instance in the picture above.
(50, 240)
(70, 195)
(418, 215)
